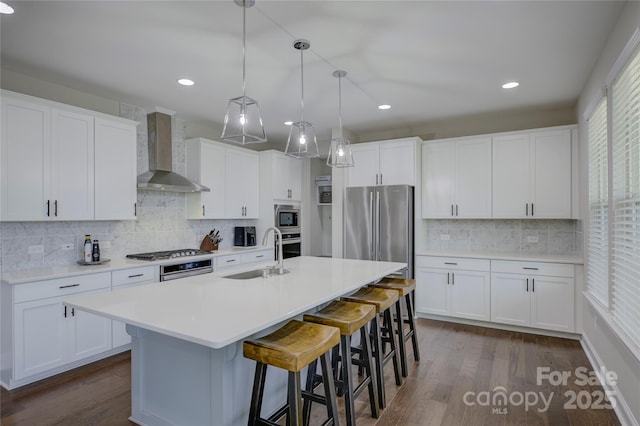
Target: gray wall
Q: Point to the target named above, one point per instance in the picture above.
(608, 348)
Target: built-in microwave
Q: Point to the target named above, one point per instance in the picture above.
(287, 218)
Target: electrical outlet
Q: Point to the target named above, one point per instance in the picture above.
(66, 247)
(444, 237)
(39, 249)
(532, 239)
(105, 244)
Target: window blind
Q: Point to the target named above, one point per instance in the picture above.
(625, 258)
(598, 242)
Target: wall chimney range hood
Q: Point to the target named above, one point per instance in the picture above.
(160, 176)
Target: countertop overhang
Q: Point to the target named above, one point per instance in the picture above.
(217, 311)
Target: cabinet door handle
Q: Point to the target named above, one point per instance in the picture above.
(203, 210)
(451, 209)
(65, 311)
(448, 278)
(73, 312)
(531, 209)
(69, 286)
(135, 209)
(456, 210)
(380, 178)
(527, 284)
(55, 208)
(136, 275)
(526, 209)
(48, 208)
(531, 269)
(533, 285)
(453, 278)
(376, 178)
(450, 263)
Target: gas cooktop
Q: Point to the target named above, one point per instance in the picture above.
(169, 254)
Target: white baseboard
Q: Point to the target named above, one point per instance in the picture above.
(621, 407)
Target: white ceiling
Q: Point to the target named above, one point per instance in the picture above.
(429, 60)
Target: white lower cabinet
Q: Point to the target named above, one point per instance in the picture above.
(47, 334)
(453, 287)
(122, 279)
(533, 294)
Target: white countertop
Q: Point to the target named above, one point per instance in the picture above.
(490, 255)
(216, 311)
(30, 275)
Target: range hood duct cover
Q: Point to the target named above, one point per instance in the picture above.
(160, 176)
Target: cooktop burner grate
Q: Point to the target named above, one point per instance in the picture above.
(169, 254)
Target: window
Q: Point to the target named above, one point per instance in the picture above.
(598, 243)
(625, 256)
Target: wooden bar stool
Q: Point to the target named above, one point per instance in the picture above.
(292, 347)
(349, 317)
(406, 289)
(383, 300)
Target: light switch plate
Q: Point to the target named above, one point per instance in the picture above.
(37, 249)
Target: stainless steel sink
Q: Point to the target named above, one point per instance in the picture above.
(247, 275)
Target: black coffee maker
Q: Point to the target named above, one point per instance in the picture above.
(244, 236)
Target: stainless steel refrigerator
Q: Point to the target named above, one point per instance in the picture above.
(378, 224)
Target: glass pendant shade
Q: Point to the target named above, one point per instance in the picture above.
(302, 142)
(243, 121)
(340, 154)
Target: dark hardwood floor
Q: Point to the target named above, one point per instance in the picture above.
(458, 363)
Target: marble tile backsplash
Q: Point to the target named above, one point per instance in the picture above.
(160, 224)
(543, 237)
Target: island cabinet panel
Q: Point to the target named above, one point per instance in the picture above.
(456, 179)
(532, 175)
(125, 278)
(391, 162)
(453, 287)
(232, 175)
(60, 163)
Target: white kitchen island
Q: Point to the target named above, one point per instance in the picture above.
(187, 366)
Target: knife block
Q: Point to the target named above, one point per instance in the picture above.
(207, 244)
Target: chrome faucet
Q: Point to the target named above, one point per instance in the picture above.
(279, 242)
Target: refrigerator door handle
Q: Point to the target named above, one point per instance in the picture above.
(371, 248)
(377, 228)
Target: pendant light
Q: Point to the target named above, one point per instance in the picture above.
(302, 141)
(340, 154)
(243, 122)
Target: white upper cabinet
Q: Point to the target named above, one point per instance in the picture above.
(532, 175)
(383, 163)
(231, 174)
(456, 179)
(286, 177)
(115, 170)
(49, 160)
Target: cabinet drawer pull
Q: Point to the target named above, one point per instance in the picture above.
(450, 263)
(531, 269)
(230, 260)
(258, 257)
(136, 275)
(69, 286)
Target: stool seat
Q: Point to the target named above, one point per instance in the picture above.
(381, 298)
(401, 285)
(349, 317)
(293, 346)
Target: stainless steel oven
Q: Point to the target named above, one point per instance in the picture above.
(180, 266)
(288, 221)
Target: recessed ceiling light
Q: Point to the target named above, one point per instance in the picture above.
(5, 8)
(186, 82)
(510, 85)
(384, 106)
(288, 123)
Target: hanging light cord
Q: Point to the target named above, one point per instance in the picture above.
(302, 84)
(244, 37)
(340, 105)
